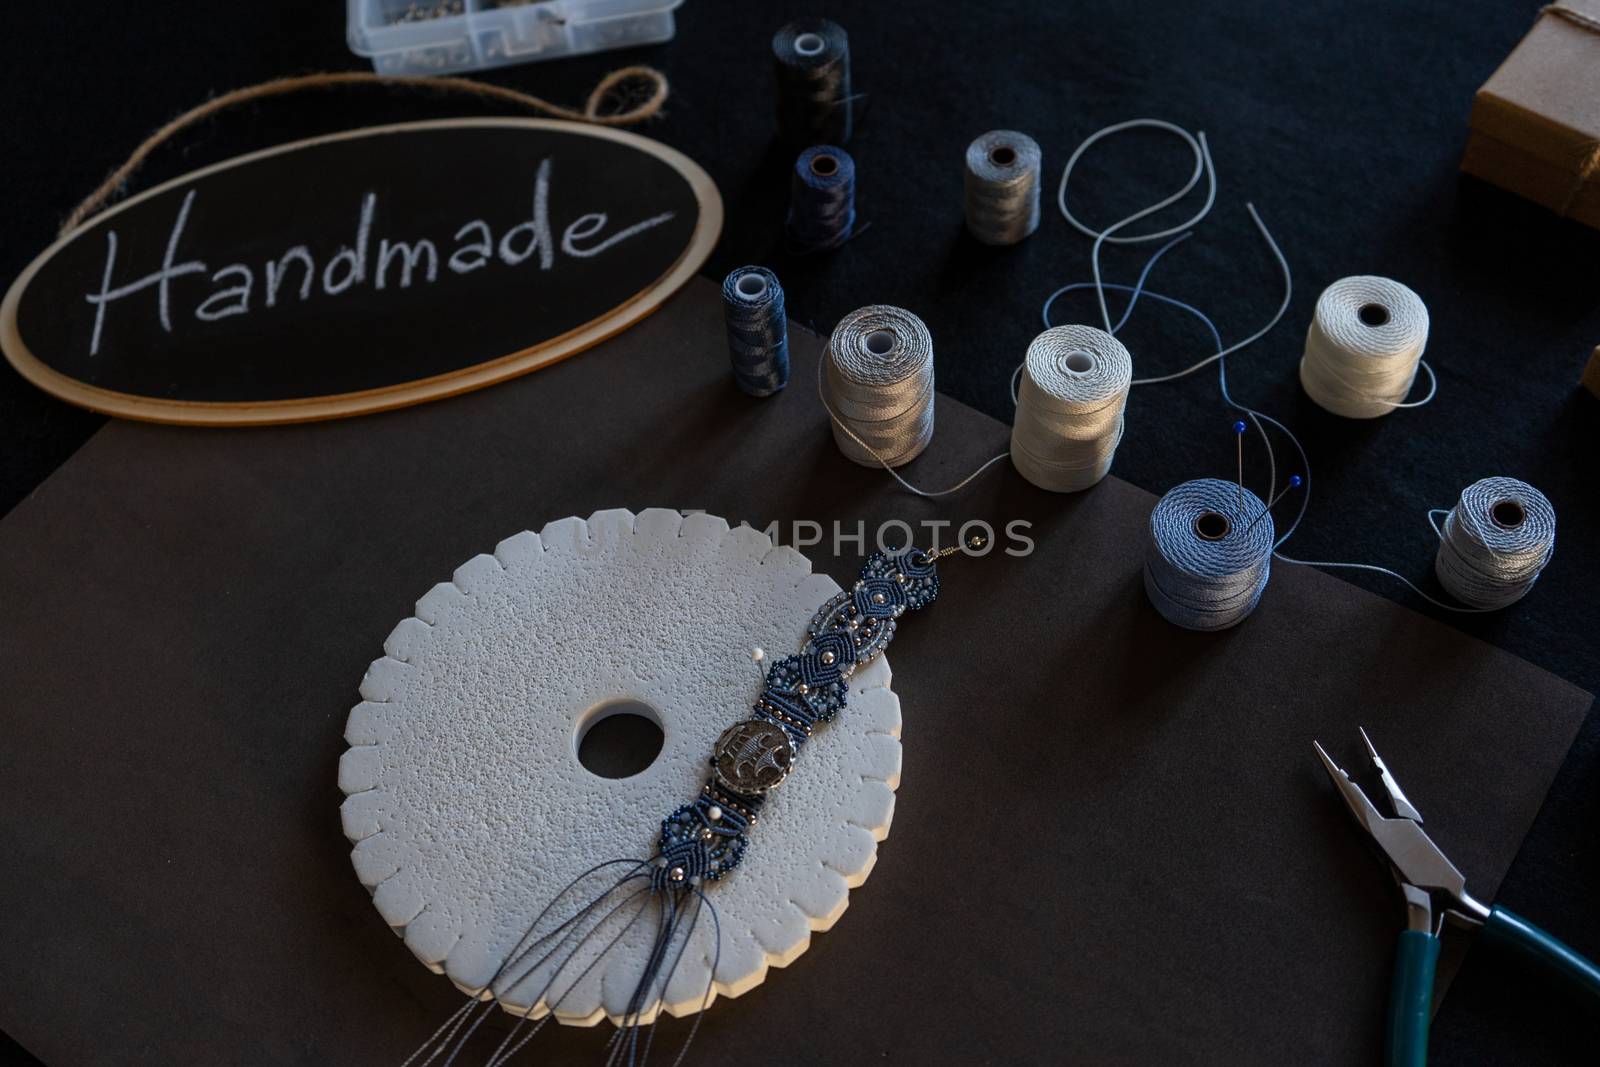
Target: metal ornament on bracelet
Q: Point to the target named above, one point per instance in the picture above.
(705, 840)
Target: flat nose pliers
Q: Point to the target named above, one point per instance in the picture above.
(1434, 891)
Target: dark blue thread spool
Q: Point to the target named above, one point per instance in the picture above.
(758, 330)
(811, 64)
(822, 200)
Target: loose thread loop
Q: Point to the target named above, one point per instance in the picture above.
(606, 89)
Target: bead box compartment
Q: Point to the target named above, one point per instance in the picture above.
(448, 36)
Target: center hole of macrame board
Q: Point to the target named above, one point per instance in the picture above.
(619, 738)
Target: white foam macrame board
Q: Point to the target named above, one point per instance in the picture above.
(470, 812)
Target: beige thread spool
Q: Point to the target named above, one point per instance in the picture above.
(1070, 407)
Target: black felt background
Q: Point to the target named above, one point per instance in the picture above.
(1342, 121)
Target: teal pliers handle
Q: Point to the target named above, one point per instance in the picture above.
(1511, 930)
(1411, 999)
(1417, 956)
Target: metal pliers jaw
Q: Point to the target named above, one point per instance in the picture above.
(1434, 889)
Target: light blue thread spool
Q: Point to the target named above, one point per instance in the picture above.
(1209, 554)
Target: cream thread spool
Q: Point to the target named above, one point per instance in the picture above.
(1364, 347)
(1070, 405)
(1001, 186)
(878, 385)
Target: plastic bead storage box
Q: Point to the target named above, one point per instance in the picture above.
(444, 36)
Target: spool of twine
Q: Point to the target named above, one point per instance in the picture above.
(822, 200)
(1495, 542)
(878, 385)
(811, 65)
(1001, 182)
(1209, 554)
(1364, 346)
(758, 330)
(1070, 403)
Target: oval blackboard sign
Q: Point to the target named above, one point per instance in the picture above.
(361, 271)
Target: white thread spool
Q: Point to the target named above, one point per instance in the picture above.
(1070, 403)
(1364, 347)
(878, 385)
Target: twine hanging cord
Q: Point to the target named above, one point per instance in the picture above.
(635, 93)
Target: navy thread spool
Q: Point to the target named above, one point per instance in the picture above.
(822, 200)
(811, 64)
(758, 330)
(1209, 554)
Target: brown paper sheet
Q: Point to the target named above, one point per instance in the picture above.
(1113, 840)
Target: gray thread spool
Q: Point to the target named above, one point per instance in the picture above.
(1070, 403)
(1002, 187)
(878, 385)
(1495, 542)
(1209, 554)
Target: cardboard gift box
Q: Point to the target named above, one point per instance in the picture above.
(1536, 121)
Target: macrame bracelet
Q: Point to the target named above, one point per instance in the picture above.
(706, 839)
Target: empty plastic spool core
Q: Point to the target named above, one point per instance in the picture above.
(1077, 362)
(879, 342)
(824, 166)
(752, 286)
(1002, 155)
(810, 44)
(1373, 314)
(1507, 514)
(1211, 526)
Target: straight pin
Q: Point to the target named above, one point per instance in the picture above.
(1238, 433)
(1295, 482)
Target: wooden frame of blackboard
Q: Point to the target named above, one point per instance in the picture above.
(708, 227)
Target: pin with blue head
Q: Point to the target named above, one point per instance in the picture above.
(1294, 482)
(1238, 433)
